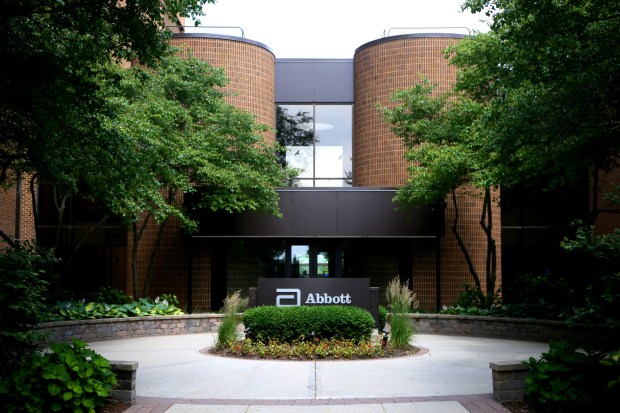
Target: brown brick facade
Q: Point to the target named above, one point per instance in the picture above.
(249, 66)
(16, 214)
(250, 69)
(380, 68)
(609, 219)
(397, 63)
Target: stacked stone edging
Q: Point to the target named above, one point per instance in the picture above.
(115, 328)
(500, 327)
(125, 389)
(509, 380)
(476, 326)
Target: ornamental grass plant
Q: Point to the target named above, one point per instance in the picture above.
(400, 300)
(227, 333)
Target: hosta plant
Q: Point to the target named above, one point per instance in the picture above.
(70, 378)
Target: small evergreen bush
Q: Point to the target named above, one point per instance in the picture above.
(382, 319)
(111, 295)
(288, 324)
(72, 378)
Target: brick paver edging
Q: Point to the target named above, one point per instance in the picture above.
(474, 403)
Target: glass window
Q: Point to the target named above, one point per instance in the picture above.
(318, 141)
(300, 261)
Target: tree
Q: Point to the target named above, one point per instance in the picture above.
(442, 139)
(136, 139)
(50, 111)
(179, 135)
(24, 283)
(548, 74)
(534, 106)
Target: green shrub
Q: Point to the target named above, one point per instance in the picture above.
(383, 312)
(70, 378)
(400, 299)
(569, 378)
(22, 292)
(227, 332)
(547, 296)
(111, 295)
(309, 350)
(288, 324)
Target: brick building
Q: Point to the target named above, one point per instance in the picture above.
(338, 217)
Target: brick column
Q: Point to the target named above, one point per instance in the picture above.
(508, 380)
(125, 391)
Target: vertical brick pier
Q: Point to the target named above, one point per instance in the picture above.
(508, 380)
(125, 391)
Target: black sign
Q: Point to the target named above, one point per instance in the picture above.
(286, 292)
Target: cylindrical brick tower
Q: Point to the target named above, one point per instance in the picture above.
(381, 67)
(250, 68)
(397, 63)
(249, 65)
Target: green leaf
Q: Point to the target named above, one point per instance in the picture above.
(54, 389)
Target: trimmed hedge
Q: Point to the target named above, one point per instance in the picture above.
(288, 324)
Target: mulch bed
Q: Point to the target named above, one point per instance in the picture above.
(114, 408)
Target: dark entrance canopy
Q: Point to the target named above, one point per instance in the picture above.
(326, 212)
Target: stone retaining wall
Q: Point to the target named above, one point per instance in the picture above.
(114, 328)
(500, 327)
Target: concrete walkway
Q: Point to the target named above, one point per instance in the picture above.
(451, 375)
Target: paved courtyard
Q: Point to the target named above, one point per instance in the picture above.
(450, 375)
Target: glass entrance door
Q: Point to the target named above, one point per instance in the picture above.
(312, 260)
(300, 257)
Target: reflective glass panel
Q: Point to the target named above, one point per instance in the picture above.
(322, 263)
(333, 140)
(318, 141)
(300, 260)
(295, 131)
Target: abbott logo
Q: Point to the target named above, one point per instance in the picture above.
(295, 296)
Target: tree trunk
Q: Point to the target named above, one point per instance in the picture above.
(80, 243)
(60, 212)
(486, 222)
(151, 267)
(137, 236)
(462, 246)
(35, 206)
(154, 251)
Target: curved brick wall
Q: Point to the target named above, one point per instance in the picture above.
(249, 65)
(381, 67)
